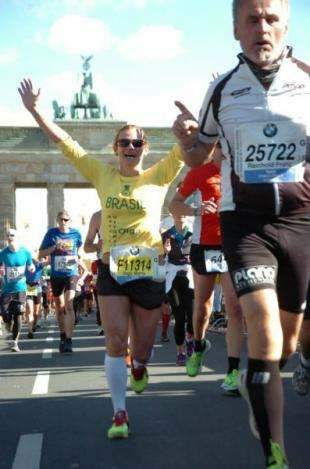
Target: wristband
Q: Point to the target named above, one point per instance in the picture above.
(196, 211)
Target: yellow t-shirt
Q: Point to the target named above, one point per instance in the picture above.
(131, 206)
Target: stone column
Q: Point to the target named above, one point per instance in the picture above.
(55, 202)
(7, 210)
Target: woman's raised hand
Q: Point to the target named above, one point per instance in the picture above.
(29, 97)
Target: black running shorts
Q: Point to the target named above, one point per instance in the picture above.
(197, 257)
(35, 298)
(62, 284)
(269, 253)
(12, 304)
(145, 293)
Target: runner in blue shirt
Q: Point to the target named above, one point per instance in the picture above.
(62, 244)
(15, 259)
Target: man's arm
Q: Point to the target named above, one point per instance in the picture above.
(30, 100)
(186, 130)
(178, 207)
(46, 252)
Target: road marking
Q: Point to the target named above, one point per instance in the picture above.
(50, 331)
(47, 353)
(28, 452)
(49, 339)
(41, 383)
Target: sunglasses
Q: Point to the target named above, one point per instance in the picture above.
(11, 236)
(125, 142)
(64, 219)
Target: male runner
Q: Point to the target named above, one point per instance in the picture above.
(260, 113)
(62, 244)
(15, 259)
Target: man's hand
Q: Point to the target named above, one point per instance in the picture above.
(167, 246)
(185, 127)
(305, 67)
(29, 97)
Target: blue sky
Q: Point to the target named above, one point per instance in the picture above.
(147, 53)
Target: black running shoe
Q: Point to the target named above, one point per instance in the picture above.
(62, 345)
(30, 335)
(68, 346)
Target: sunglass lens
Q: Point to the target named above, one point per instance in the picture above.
(137, 143)
(124, 142)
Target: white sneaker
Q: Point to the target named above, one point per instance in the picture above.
(15, 347)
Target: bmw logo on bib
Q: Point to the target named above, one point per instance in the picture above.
(270, 130)
(134, 250)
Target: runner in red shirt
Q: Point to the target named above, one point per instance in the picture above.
(207, 260)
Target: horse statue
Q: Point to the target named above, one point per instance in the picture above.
(86, 99)
(59, 111)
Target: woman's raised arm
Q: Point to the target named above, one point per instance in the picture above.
(30, 100)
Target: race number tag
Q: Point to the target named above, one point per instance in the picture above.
(270, 152)
(64, 263)
(129, 263)
(215, 261)
(15, 273)
(32, 290)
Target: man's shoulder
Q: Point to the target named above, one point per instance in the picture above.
(52, 231)
(74, 232)
(223, 78)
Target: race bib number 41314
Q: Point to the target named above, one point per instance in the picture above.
(270, 152)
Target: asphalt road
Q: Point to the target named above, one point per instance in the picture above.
(55, 411)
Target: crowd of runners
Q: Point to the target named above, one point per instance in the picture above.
(248, 192)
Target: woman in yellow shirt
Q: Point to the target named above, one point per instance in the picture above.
(130, 277)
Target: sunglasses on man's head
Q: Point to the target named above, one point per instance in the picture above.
(125, 142)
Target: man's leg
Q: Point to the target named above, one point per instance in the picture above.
(301, 376)
(29, 316)
(234, 335)
(203, 300)
(263, 382)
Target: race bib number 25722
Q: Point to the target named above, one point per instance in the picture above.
(270, 152)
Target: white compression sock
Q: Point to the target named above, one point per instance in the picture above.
(116, 373)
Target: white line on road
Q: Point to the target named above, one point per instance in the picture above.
(49, 339)
(28, 453)
(41, 383)
(47, 353)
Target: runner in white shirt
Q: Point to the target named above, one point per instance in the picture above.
(260, 113)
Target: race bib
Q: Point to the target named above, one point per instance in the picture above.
(215, 261)
(270, 152)
(64, 263)
(129, 263)
(15, 273)
(32, 290)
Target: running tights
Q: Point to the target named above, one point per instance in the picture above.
(17, 325)
(181, 301)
